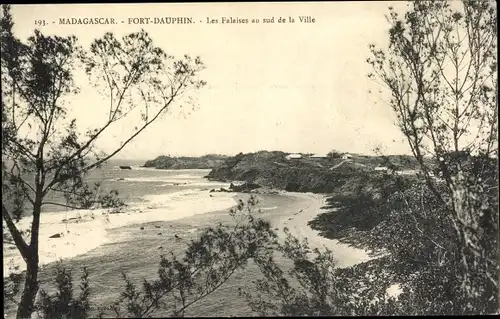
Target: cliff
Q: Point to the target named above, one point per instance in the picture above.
(202, 162)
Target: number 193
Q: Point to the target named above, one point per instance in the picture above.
(40, 23)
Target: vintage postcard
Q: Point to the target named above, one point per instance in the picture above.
(250, 159)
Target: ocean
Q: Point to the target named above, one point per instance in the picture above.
(150, 195)
(138, 182)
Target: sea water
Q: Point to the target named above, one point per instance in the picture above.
(150, 195)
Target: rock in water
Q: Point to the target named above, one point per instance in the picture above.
(244, 188)
(125, 167)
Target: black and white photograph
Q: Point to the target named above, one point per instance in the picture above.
(241, 159)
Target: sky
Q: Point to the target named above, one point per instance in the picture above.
(294, 87)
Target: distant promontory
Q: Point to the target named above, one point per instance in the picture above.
(210, 161)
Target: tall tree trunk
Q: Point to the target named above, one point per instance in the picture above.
(26, 305)
(31, 285)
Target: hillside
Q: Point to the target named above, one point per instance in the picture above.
(202, 162)
(319, 175)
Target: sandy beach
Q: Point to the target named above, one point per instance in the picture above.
(78, 232)
(297, 224)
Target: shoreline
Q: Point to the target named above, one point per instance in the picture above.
(86, 230)
(298, 225)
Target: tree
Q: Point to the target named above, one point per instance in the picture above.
(315, 286)
(64, 304)
(440, 72)
(334, 154)
(43, 151)
(208, 262)
(416, 237)
(440, 233)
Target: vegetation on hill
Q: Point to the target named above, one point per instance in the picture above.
(399, 219)
(308, 174)
(38, 86)
(183, 162)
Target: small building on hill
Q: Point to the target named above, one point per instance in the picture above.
(319, 155)
(293, 156)
(346, 156)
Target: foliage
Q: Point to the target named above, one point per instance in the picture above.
(358, 207)
(413, 244)
(314, 286)
(209, 261)
(43, 150)
(63, 304)
(440, 72)
(418, 233)
(334, 154)
(439, 233)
